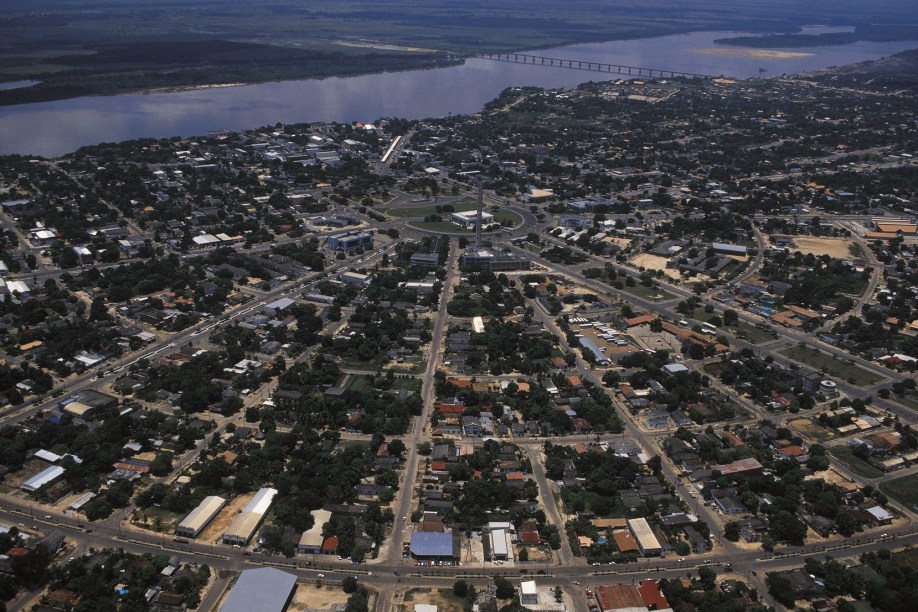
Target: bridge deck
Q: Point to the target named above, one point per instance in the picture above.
(538, 60)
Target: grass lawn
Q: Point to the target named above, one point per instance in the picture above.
(410, 384)
(431, 209)
(862, 605)
(648, 293)
(753, 334)
(904, 490)
(439, 226)
(907, 558)
(907, 400)
(167, 520)
(507, 215)
(845, 456)
(358, 384)
(463, 205)
(832, 366)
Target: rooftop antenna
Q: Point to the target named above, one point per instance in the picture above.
(478, 216)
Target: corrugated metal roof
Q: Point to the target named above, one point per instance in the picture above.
(428, 544)
(42, 478)
(265, 589)
(203, 514)
(261, 502)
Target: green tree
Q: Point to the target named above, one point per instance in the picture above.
(349, 584)
(161, 464)
(732, 531)
(503, 588)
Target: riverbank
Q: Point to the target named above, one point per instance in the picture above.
(98, 47)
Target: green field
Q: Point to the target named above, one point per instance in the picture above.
(431, 209)
(845, 456)
(904, 490)
(648, 293)
(751, 333)
(409, 384)
(830, 365)
(907, 400)
(444, 227)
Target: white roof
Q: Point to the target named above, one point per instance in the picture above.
(203, 513)
(425, 608)
(42, 478)
(47, 456)
(643, 534)
(205, 239)
(313, 535)
(528, 587)
(880, 513)
(499, 542)
(261, 502)
(17, 285)
(500, 524)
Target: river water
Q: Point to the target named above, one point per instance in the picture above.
(54, 128)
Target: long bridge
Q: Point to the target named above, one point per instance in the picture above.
(634, 71)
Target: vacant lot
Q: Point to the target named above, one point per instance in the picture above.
(837, 248)
(443, 599)
(810, 430)
(830, 365)
(753, 334)
(846, 457)
(654, 262)
(215, 530)
(648, 293)
(904, 490)
(316, 596)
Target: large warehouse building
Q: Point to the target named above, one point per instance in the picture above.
(432, 546)
(200, 517)
(46, 476)
(265, 589)
(246, 522)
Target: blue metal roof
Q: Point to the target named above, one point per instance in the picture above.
(265, 589)
(424, 544)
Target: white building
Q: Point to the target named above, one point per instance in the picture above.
(529, 593)
(246, 522)
(200, 517)
(469, 219)
(499, 549)
(43, 478)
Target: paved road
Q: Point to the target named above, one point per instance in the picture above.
(428, 394)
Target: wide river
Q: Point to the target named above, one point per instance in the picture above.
(54, 128)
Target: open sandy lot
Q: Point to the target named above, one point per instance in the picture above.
(445, 603)
(654, 262)
(830, 477)
(215, 530)
(308, 595)
(837, 248)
